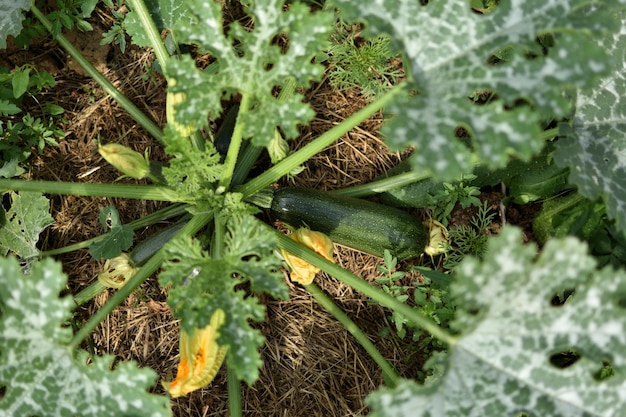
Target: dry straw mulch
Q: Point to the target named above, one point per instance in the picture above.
(312, 365)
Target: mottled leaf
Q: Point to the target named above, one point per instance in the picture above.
(511, 327)
(448, 49)
(22, 223)
(40, 376)
(251, 63)
(11, 18)
(202, 284)
(594, 143)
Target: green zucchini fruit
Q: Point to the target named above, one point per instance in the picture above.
(144, 250)
(358, 224)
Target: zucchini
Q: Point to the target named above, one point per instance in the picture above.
(144, 250)
(358, 224)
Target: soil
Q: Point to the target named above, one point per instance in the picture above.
(312, 365)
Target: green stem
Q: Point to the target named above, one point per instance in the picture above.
(382, 185)
(106, 85)
(160, 215)
(235, 144)
(234, 394)
(390, 374)
(154, 37)
(362, 286)
(89, 292)
(549, 134)
(135, 191)
(299, 157)
(195, 224)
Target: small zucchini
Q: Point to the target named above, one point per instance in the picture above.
(144, 250)
(358, 224)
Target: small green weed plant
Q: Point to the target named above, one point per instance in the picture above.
(505, 327)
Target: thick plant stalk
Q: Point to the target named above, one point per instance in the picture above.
(299, 157)
(364, 287)
(106, 85)
(196, 223)
(390, 374)
(136, 191)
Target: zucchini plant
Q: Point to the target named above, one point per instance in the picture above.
(506, 328)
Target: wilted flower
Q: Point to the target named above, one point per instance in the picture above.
(200, 358)
(439, 242)
(302, 271)
(117, 271)
(129, 162)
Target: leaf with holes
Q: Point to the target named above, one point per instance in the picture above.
(119, 238)
(22, 223)
(39, 375)
(202, 284)
(449, 49)
(511, 328)
(254, 68)
(594, 143)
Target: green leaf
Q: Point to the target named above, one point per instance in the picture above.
(500, 365)
(39, 375)
(201, 284)
(255, 67)
(11, 18)
(448, 48)
(594, 144)
(11, 169)
(119, 238)
(191, 172)
(165, 14)
(7, 108)
(19, 82)
(23, 222)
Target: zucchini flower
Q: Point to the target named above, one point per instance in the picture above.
(301, 271)
(129, 162)
(200, 358)
(439, 242)
(117, 271)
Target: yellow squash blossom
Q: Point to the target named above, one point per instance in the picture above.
(200, 358)
(439, 242)
(117, 271)
(303, 272)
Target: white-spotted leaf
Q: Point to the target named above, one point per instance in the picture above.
(448, 49)
(511, 327)
(40, 376)
(249, 62)
(594, 144)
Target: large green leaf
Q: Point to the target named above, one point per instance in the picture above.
(21, 224)
(202, 284)
(594, 144)
(40, 375)
(11, 18)
(448, 49)
(510, 328)
(249, 62)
